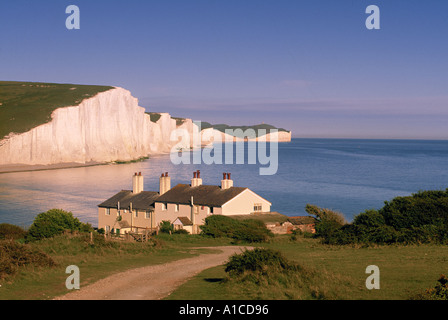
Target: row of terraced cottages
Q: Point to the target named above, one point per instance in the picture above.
(185, 206)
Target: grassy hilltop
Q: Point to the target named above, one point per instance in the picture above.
(26, 105)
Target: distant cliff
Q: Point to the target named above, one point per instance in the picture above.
(101, 127)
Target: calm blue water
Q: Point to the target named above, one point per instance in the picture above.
(345, 175)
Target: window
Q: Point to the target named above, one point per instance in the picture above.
(107, 229)
(258, 207)
(107, 211)
(211, 210)
(176, 207)
(148, 215)
(163, 206)
(136, 214)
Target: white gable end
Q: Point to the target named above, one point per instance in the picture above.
(246, 202)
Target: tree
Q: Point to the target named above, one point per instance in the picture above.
(54, 222)
(328, 221)
(166, 227)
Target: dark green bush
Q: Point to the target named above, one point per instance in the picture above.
(54, 222)
(422, 208)
(259, 259)
(181, 231)
(250, 230)
(369, 219)
(166, 227)
(327, 221)
(11, 232)
(420, 218)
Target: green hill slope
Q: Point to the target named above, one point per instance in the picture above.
(26, 105)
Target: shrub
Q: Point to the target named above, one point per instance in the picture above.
(439, 292)
(14, 255)
(422, 208)
(181, 231)
(249, 230)
(166, 227)
(369, 219)
(11, 232)
(54, 222)
(328, 221)
(259, 259)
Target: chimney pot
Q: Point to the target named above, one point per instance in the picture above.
(199, 173)
(194, 174)
(228, 176)
(224, 176)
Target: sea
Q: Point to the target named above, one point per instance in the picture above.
(345, 175)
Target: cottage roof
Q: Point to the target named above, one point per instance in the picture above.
(140, 201)
(184, 221)
(204, 195)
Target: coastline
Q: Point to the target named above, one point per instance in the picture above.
(28, 168)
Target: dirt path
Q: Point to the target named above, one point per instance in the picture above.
(152, 282)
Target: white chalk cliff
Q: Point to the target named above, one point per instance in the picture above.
(108, 127)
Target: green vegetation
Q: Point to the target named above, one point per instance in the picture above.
(265, 217)
(439, 292)
(257, 260)
(14, 255)
(327, 221)
(154, 116)
(11, 232)
(55, 222)
(326, 272)
(36, 270)
(330, 265)
(166, 227)
(26, 105)
(179, 121)
(249, 230)
(419, 218)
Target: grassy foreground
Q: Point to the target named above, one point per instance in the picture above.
(328, 272)
(95, 260)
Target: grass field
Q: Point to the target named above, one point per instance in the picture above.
(336, 273)
(327, 272)
(26, 105)
(96, 261)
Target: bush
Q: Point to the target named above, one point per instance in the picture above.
(14, 255)
(54, 222)
(249, 230)
(420, 218)
(369, 219)
(181, 231)
(328, 221)
(166, 227)
(256, 260)
(439, 292)
(422, 208)
(11, 232)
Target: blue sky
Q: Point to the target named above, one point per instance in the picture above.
(309, 66)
